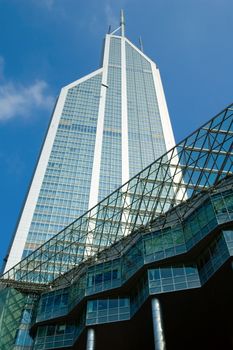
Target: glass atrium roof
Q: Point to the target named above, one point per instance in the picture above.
(198, 162)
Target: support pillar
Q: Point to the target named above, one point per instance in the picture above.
(159, 340)
(90, 339)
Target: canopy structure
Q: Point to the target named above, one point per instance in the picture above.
(198, 162)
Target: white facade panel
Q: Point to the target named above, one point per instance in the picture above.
(29, 207)
(94, 188)
(124, 116)
(133, 138)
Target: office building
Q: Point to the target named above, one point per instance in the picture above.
(166, 284)
(105, 128)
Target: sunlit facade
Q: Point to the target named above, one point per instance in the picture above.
(169, 278)
(149, 266)
(117, 295)
(105, 128)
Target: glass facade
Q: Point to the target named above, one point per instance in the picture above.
(111, 160)
(102, 310)
(104, 276)
(164, 277)
(146, 137)
(173, 278)
(53, 305)
(107, 310)
(185, 248)
(64, 194)
(154, 281)
(58, 335)
(138, 205)
(54, 336)
(167, 230)
(89, 149)
(16, 310)
(23, 338)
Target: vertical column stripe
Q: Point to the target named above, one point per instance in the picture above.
(125, 135)
(163, 111)
(95, 178)
(167, 131)
(124, 116)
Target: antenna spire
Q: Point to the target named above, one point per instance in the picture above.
(122, 23)
(140, 43)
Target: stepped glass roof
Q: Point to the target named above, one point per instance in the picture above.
(195, 164)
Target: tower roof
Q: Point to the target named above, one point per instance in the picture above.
(121, 28)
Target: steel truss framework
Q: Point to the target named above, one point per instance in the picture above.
(193, 165)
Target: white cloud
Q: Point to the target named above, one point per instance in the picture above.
(21, 101)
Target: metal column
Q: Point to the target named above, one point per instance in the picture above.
(159, 341)
(90, 339)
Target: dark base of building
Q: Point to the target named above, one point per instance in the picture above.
(194, 319)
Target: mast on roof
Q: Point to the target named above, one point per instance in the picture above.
(122, 23)
(140, 43)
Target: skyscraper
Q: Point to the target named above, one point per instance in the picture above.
(105, 128)
(169, 278)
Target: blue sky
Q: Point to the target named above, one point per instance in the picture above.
(46, 44)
